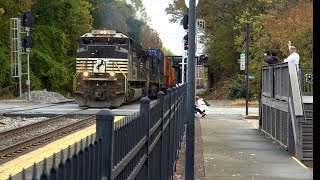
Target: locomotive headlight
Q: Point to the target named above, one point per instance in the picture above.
(85, 74)
(112, 73)
(103, 32)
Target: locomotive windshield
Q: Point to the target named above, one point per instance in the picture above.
(103, 47)
(103, 41)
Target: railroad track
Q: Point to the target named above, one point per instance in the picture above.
(39, 139)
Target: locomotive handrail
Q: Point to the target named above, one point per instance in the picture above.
(148, 78)
(125, 79)
(75, 77)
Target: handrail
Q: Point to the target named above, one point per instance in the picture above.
(75, 77)
(296, 94)
(143, 70)
(125, 79)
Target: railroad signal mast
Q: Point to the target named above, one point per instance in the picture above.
(19, 26)
(185, 22)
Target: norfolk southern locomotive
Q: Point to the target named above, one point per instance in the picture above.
(112, 69)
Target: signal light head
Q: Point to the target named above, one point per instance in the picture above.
(186, 44)
(27, 20)
(27, 42)
(185, 21)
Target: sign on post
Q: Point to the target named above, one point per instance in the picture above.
(242, 60)
(200, 25)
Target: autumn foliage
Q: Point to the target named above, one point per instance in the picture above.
(272, 25)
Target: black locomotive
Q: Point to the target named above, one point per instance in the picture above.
(112, 69)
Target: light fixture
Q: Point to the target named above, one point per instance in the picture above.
(85, 74)
(112, 73)
(103, 32)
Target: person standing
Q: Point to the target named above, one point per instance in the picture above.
(271, 57)
(294, 56)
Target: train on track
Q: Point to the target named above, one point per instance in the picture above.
(113, 69)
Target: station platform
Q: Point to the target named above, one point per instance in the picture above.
(233, 148)
(27, 160)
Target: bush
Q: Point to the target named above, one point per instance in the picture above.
(237, 88)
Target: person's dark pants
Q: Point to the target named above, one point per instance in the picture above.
(198, 110)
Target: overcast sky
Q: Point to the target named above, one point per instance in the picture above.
(171, 34)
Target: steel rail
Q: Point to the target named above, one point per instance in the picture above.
(28, 127)
(43, 137)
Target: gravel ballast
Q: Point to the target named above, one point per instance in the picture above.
(8, 123)
(44, 97)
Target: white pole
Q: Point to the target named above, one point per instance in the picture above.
(28, 56)
(19, 57)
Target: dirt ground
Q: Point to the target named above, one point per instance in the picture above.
(218, 92)
(199, 173)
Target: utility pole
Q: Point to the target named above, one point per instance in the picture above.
(247, 67)
(189, 156)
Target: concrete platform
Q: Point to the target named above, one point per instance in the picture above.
(14, 167)
(234, 149)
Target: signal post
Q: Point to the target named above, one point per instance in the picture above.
(21, 47)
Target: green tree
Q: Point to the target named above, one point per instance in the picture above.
(70, 16)
(49, 59)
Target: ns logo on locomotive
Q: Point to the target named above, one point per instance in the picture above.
(112, 69)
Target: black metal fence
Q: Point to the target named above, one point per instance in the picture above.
(141, 146)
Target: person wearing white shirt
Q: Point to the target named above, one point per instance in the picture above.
(199, 106)
(294, 56)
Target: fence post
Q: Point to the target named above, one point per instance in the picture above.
(170, 143)
(104, 130)
(160, 97)
(145, 110)
(174, 121)
(61, 167)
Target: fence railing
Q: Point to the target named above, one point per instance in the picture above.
(281, 107)
(144, 145)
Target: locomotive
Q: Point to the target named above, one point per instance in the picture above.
(113, 69)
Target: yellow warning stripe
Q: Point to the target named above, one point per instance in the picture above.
(27, 160)
(299, 162)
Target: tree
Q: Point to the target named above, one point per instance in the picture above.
(272, 24)
(70, 16)
(150, 38)
(167, 52)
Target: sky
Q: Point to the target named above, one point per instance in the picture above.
(171, 34)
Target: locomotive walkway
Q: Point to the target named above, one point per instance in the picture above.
(233, 148)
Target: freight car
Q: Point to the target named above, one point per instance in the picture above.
(112, 69)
